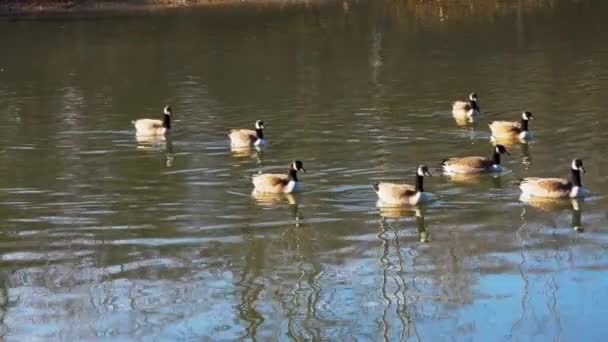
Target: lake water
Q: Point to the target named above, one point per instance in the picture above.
(104, 237)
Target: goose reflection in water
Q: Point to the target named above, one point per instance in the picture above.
(272, 199)
(470, 130)
(556, 205)
(509, 142)
(399, 212)
(255, 153)
(247, 152)
(494, 180)
(526, 158)
(276, 200)
(157, 143)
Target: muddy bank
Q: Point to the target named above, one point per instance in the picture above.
(41, 7)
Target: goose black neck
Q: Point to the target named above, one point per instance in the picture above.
(293, 175)
(259, 133)
(524, 125)
(167, 121)
(576, 178)
(419, 183)
(496, 158)
(474, 105)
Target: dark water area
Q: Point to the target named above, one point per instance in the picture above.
(107, 237)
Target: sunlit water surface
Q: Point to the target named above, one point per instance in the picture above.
(104, 237)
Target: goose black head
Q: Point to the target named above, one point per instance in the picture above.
(297, 166)
(527, 115)
(423, 170)
(577, 165)
(500, 149)
(259, 124)
(167, 110)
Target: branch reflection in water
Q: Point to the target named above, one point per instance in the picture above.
(4, 305)
(554, 208)
(394, 272)
(305, 293)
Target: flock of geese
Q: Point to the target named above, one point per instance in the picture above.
(394, 194)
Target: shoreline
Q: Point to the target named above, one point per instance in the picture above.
(24, 8)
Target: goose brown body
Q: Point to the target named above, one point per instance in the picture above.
(505, 128)
(397, 194)
(242, 137)
(270, 183)
(546, 187)
(468, 164)
(150, 127)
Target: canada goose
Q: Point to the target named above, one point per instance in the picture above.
(471, 165)
(391, 194)
(154, 126)
(555, 187)
(512, 129)
(466, 111)
(240, 138)
(279, 183)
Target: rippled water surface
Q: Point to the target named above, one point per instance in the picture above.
(105, 237)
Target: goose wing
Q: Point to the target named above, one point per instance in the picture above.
(546, 187)
(242, 136)
(146, 124)
(270, 182)
(461, 106)
(505, 127)
(467, 163)
(394, 193)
